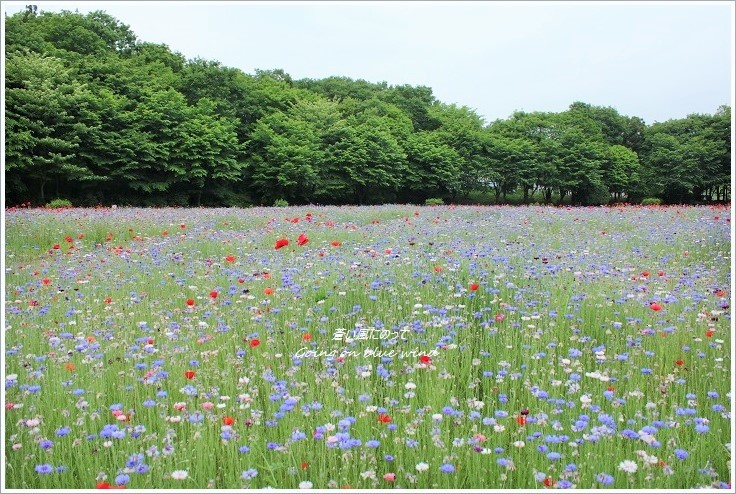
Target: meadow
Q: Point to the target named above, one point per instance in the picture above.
(368, 348)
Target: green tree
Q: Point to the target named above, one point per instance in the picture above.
(620, 170)
(42, 132)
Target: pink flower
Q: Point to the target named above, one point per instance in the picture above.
(389, 477)
(180, 406)
(207, 405)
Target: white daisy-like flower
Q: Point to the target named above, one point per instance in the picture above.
(422, 467)
(305, 485)
(179, 474)
(628, 466)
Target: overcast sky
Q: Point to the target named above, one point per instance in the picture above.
(653, 60)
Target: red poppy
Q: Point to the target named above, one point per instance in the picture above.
(655, 307)
(548, 482)
(103, 485)
(645, 274)
(57, 246)
(165, 232)
(307, 336)
(611, 388)
(474, 287)
(108, 300)
(33, 303)
(709, 333)
(189, 374)
(500, 317)
(282, 242)
(46, 281)
(521, 420)
(190, 302)
(255, 342)
(661, 273)
(720, 293)
(183, 226)
(304, 465)
(336, 243)
(213, 294)
(679, 362)
(302, 239)
(150, 341)
(228, 421)
(268, 291)
(69, 239)
(384, 418)
(438, 269)
(70, 367)
(241, 280)
(229, 258)
(80, 236)
(425, 359)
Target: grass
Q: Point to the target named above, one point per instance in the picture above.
(554, 286)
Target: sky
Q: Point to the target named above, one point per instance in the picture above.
(654, 60)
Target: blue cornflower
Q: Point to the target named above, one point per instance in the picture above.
(249, 474)
(701, 428)
(447, 468)
(44, 469)
(681, 454)
(604, 478)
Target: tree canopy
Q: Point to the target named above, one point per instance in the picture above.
(95, 115)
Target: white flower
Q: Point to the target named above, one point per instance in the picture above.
(410, 385)
(437, 417)
(305, 485)
(422, 467)
(369, 474)
(519, 444)
(179, 474)
(32, 422)
(628, 466)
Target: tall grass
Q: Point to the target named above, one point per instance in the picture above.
(560, 325)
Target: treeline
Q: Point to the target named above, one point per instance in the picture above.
(96, 116)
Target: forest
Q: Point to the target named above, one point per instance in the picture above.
(95, 116)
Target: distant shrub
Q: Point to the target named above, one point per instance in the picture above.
(59, 203)
(434, 201)
(281, 203)
(651, 201)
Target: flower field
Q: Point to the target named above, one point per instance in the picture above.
(368, 348)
